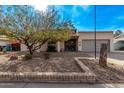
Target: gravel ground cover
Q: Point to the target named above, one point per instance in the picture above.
(111, 74)
(38, 64)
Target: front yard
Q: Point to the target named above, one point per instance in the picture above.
(63, 63)
(58, 62)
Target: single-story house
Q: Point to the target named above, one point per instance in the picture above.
(81, 41)
(119, 42)
(86, 41)
(3, 42)
(9, 45)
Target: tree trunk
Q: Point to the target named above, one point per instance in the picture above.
(30, 51)
(103, 55)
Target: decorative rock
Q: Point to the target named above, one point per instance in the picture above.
(13, 57)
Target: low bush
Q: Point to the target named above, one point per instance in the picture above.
(46, 56)
(13, 57)
(51, 48)
(122, 48)
(27, 57)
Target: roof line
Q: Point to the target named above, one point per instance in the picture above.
(96, 31)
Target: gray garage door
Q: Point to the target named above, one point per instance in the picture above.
(88, 45)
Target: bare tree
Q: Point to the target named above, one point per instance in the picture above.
(34, 28)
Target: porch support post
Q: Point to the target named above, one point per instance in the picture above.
(58, 46)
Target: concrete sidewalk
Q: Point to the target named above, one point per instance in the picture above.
(114, 57)
(54, 85)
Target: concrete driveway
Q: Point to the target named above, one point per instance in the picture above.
(113, 57)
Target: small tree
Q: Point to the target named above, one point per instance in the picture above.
(34, 28)
(117, 33)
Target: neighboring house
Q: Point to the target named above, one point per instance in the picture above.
(119, 42)
(81, 41)
(3, 42)
(9, 45)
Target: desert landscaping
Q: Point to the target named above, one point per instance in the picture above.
(62, 63)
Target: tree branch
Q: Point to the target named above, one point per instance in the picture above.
(40, 45)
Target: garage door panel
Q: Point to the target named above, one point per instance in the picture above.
(86, 46)
(89, 45)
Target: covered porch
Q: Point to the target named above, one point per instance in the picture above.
(70, 46)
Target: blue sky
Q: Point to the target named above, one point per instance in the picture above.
(108, 17)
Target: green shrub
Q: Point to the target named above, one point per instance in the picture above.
(46, 56)
(122, 48)
(27, 57)
(51, 48)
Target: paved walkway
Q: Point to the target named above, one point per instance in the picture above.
(58, 85)
(114, 57)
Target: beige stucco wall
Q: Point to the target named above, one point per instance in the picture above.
(99, 35)
(23, 47)
(3, 42)
(62, 45)
(82, 36)
(43, 48)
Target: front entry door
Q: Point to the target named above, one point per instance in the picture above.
(70, 45)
